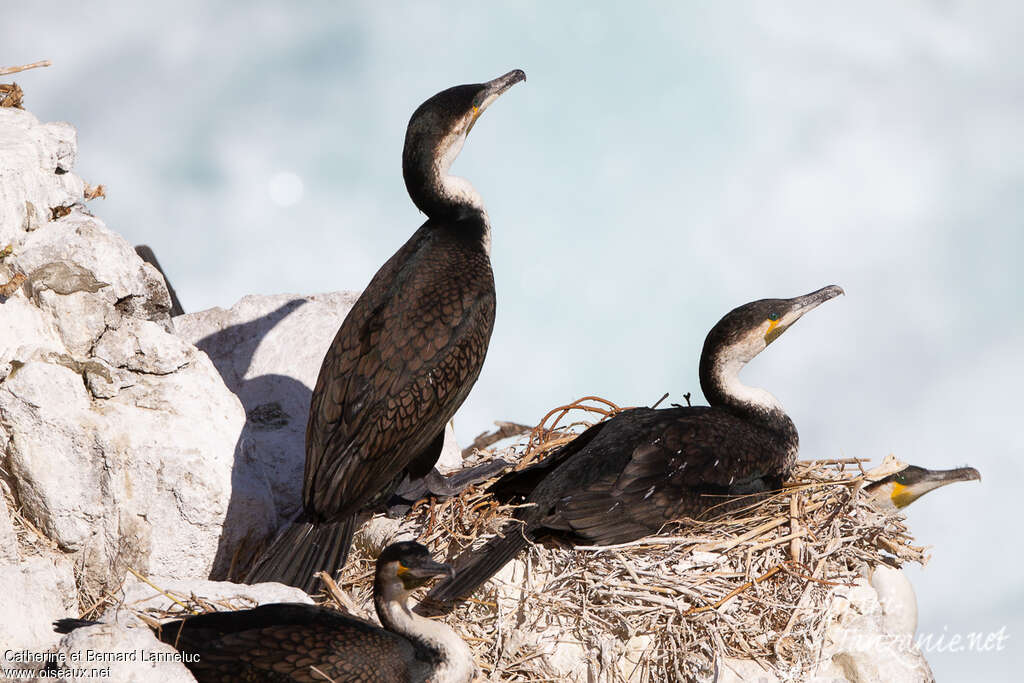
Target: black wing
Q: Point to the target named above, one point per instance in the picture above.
(648, 467)
(402, 362)
(291, 642)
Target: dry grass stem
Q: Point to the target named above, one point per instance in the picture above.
(6, 70)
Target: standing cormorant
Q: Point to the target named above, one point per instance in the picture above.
(624, 478)
(299, 642)
(406, 355)
(902, 488)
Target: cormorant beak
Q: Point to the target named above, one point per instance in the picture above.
(491, 90)
(798, 306)
(903, 494)
(423, 570)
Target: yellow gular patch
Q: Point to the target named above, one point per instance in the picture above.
(901, 496)
(402, 570)
(472, 119)
(773, 332)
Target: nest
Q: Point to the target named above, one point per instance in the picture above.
(750, 583)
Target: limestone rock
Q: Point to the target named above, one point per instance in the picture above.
(117, 438)
(34, 162)
(8, 538)
(36, 590)
(378, 533)
(137, 595)
(897, 599)
(151, 660)
(862, 649)
(268, 350)
(140, 595)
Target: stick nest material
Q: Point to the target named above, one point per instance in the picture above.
(754, 583)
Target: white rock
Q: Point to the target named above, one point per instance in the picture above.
(79, 318)
(897, 599)
(36, 591)
(139, 595)
(121, 438)
(173, 439)
(79, 253)
(378, 533)
(25, 330)
(47, 412)
(34, 160)
(144, 347)
(139, 643)
(8, 537)
(859, 646)
(268, 350)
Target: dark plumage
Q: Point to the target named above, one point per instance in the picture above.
(406, 355)
(293, 642)
(624, 478)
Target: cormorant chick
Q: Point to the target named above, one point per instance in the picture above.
(900, 489)
(297, 642)
(406, 355)
(624, 478)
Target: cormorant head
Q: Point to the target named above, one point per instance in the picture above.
(904, 487)
(745, 331)
(435, 136)
(409, 565)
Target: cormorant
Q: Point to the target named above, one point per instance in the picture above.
(902, 488)
(624, 478)
(891, 493)
(406, 355)
(299, 642)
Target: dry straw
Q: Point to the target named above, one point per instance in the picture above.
(753, 583)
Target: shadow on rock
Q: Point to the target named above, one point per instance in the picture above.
(266, 478)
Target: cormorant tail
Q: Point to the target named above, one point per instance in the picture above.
(480, 565)
(69, 625)
(301, 550)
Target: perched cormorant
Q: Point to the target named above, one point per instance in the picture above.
(298, 642)
(902, 488)
(624, 478)
(406, 355)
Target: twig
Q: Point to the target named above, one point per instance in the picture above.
(485, 439)
(5, 70)
(339, 596)
(161, 591)
(794, 527)
(736, 591)
(803, 600)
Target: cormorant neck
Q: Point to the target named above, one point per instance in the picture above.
(432, 188)
(455, 660)
(720, 382)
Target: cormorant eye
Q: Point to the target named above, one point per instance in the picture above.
(773, 316)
